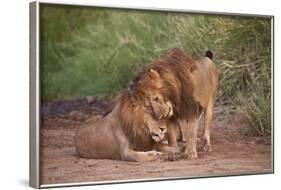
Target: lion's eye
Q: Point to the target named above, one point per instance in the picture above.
(156, 99)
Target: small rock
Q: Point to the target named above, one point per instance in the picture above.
(90, 99)
(76, 115)
(73, 113)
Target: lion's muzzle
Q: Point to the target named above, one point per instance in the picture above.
(158, 137)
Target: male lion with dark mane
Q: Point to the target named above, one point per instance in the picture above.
(191, 85)
(134, 129)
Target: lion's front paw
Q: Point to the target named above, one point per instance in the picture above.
(207, 148)
(171, 156)
(154, 155)
(190, 155)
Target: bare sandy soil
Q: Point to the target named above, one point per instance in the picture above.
(233, 152)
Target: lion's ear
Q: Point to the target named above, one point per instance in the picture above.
(154, 73)
(155, 78)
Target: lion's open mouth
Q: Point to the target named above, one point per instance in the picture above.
(157, 137)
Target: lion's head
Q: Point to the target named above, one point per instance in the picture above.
(174, 70)
(144, 111)
(148, 87)
(157, 128)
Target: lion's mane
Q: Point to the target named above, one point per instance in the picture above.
(132, 121)
(175, 68)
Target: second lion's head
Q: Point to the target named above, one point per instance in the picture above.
(148, 86)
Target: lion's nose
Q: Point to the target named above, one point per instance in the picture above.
(162, 129)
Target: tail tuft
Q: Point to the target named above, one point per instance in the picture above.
(209, 54)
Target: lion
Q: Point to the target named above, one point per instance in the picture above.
(191, 85)
(134, 130)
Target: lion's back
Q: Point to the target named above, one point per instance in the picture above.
(206, 80)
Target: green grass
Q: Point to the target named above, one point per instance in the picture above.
(257, 112)
(96, 51)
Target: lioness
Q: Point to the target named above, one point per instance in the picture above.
(132, 131)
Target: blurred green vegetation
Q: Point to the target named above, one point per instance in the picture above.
(97, 51)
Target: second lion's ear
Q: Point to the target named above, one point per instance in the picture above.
(154, 73)
(155, 78)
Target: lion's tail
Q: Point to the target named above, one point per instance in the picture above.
(209, 54)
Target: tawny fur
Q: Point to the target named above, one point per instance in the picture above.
(126, 131)
(191, 85)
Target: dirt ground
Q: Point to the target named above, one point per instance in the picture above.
(233, 152)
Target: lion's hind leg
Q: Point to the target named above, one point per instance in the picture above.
(207, 126)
